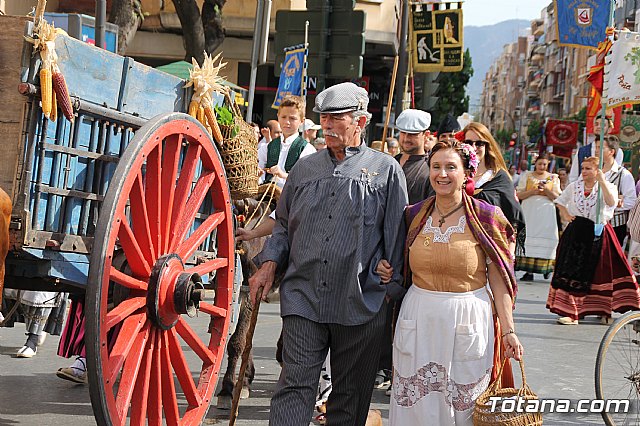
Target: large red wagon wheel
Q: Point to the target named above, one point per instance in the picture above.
(165, 226)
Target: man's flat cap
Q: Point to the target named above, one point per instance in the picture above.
(413, 121)
(343, 97)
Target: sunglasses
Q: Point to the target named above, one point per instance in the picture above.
(477, 144)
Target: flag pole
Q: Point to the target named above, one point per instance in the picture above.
(303, 89)
(603, 118)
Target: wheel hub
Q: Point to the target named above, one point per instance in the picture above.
(172, 292)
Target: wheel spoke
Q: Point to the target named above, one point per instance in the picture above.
(183, 187)
(141, 389)
(130, 373)
(123, 310)
(135, 259)
(154, 407)
(188, 213)
(169, 400)
(213, 310)
(209, 266)
(194, 342)
(126, 337)
(182, 371)
(188, 247)
(140, 220)
(152, 191)
(169, 173)
(126, 280)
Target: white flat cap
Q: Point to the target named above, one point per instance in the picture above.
(310, 125)
(343, 97)
(413, 121)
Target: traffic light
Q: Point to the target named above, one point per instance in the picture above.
(429, 89)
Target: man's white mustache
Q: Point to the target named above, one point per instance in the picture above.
(335, 135)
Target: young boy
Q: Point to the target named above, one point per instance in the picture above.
(278, 157)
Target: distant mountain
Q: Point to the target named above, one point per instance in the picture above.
(485, 44)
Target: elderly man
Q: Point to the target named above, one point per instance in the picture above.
(392, 147)
(414, 132)
(340, 213)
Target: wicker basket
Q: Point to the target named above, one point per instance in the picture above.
(239, 154)
(483, 416)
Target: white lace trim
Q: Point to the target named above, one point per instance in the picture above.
(585, 204)
(438, 235)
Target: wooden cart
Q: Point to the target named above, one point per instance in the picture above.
(130, 205)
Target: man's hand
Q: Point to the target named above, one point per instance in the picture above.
(277, 171)
(385, 271)
(262, 278)
(266, 134)
(244, 234)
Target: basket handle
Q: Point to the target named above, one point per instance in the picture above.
(497, 383)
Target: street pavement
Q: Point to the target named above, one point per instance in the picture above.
(559, 363)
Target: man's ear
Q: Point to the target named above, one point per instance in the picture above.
(362, 121)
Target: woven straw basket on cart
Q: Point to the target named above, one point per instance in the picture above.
(239, 154)
(483, 416)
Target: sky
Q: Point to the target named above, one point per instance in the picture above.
(488, 12)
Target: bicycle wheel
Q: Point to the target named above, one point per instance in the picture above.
(618, 368)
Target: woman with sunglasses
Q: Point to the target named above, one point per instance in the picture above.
(492, 182)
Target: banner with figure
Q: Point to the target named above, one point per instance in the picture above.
(622, 71)
(582, 23)
(290, 76)
(436, 38)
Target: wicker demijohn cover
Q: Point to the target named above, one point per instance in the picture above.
(239, 154)
(484, 416)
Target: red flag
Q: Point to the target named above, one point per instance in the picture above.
(596, 74)
(562, 152)
(562, 133)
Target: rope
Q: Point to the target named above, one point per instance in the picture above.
(272, 188)
(13, 309)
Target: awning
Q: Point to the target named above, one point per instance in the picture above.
(181, 69)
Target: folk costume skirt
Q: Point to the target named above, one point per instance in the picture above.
(613, 287)
(542, 236)
(442, 357)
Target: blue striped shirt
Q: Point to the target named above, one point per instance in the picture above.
(335, 221)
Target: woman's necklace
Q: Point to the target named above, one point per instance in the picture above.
(444, 217)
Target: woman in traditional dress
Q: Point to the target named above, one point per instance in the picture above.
(592, 276)
(537, 190)
(443, 350)
(492, 183)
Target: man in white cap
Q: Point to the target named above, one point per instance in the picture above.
(310, 130)
(414, 132)
(340, 213)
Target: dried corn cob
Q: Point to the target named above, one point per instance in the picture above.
(193, 109)
(215, 129)
(63, 98)
(200, 116)
(45, 91)
(54, 107)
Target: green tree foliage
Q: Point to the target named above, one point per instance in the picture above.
(503, 136)
(451, 93)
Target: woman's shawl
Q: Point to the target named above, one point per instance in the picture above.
(499, 191)
(487, 224)
(494, 233)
